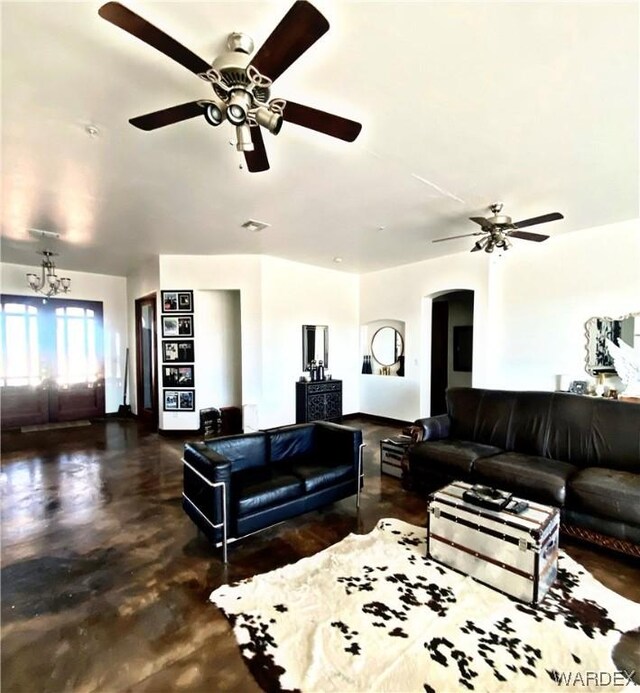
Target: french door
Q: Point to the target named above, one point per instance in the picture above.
(51, 360)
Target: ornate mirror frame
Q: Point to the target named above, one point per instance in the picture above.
(597, 328)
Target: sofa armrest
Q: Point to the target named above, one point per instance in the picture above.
(206, 485)
(431, 428)
(338, 444)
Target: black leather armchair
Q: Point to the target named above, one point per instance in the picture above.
(236, 485)
(581, 454)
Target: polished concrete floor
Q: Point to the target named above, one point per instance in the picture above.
(105, 580)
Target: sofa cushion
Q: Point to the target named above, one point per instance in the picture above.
(462, 407)
(291, 442)
(530, 423)
(535, 478)
(251, 495)
(607, 493)
(570, 431)
(494, 417)
(243, 451)
(316, 477)
(455, 457)
(615, 428)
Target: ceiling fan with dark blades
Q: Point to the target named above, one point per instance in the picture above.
(498, 229)
(241, 83)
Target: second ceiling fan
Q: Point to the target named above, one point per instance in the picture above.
(498, 229)
(241, 83)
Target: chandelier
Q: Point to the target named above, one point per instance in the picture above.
(48, 283)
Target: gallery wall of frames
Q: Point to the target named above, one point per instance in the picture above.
(178, 354)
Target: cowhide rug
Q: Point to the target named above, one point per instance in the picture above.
(371, 613)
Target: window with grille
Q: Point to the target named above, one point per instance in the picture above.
(76, 355)
(19, 345)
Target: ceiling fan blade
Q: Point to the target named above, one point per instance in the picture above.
(538, 220)
(327, 123)
(528, 236)
(485, 223)
(464, 235)
(257, 159)
(168, 116)
(298, 30)
(124, 18)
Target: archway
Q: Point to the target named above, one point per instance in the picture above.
(451, 345)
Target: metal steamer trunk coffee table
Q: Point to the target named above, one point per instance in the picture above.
(500, 540)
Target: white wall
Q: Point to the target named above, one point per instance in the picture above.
(212, 273)
(218, 349)
(294, 294)
(405, 293)
(276, 298)
(546, 292)
(85, 286)
(143, 282)
(529, 312)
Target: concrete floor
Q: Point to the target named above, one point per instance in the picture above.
(105, 581)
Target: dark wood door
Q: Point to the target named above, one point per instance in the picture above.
(52, 365)
(146, 362)
(439, 356)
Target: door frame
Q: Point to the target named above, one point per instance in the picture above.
(149, 418)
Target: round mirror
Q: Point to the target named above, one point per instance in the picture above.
(387, 346)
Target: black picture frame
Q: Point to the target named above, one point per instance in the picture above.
(178, 376)
(179, 400)
(180, 301)
(177, 325)
(178, 351)
(463, 348)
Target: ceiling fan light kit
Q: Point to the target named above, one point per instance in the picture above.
(498, 229)
(241, 82)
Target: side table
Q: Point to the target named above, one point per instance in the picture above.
(392, 451)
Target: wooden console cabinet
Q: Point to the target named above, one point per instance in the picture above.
(319, 400)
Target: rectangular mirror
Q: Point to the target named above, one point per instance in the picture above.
(315, 345)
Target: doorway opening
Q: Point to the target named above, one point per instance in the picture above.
(146, 362)
(451, 345)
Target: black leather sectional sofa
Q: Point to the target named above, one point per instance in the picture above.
(579, 453)
(236, 485)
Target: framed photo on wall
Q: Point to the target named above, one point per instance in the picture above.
(177, 326)
(177, 301)
(177, 376)
(179, 400)
(171, 400)
(178, 351)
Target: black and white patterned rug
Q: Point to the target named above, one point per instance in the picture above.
(371, 613)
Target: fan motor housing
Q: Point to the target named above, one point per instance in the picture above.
(232, 65)
(501, 220)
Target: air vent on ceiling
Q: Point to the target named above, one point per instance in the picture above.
(40, 233)
(253, 225)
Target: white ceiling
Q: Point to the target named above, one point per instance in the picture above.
(462, 104)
